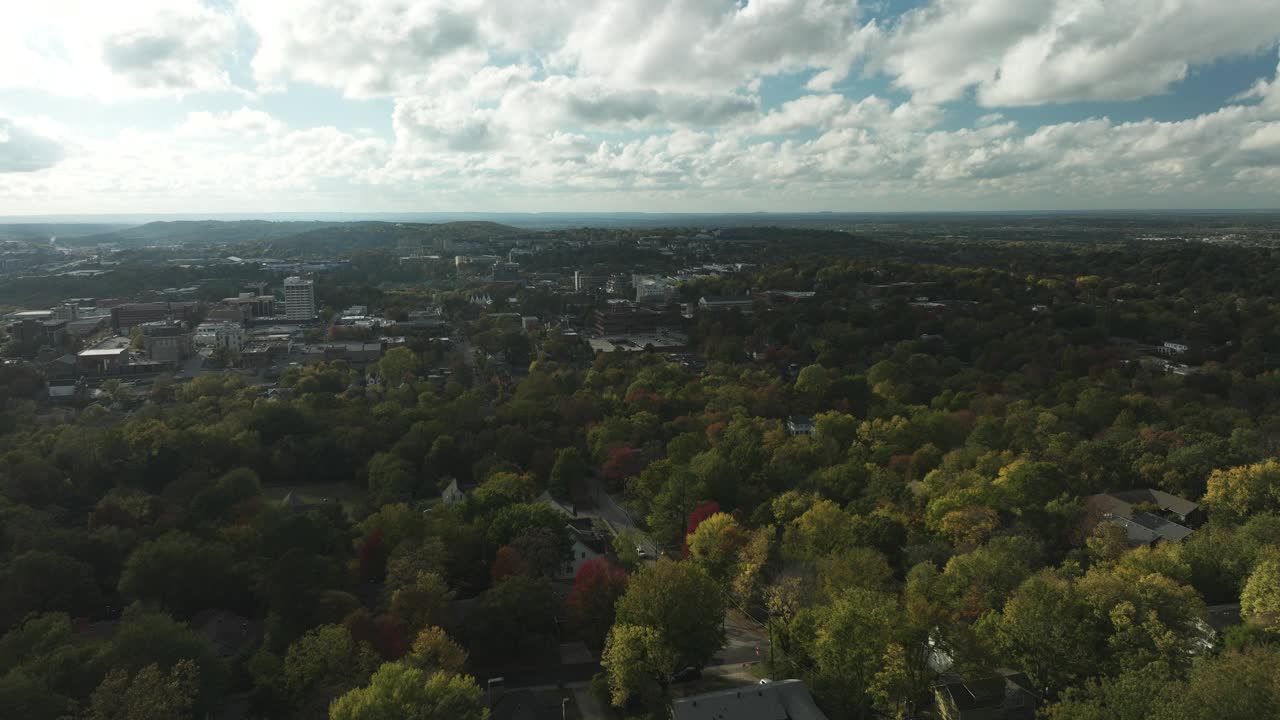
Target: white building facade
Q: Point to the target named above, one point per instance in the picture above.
(219, 334)
(299, 299)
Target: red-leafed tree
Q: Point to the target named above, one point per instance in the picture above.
(373, 556)
(385, 633)
(506, 563)
(621, 463)
(596, 589)
(700, 513)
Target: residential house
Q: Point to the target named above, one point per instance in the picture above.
(1006, 696)
(800, 425)
(587, 545)
(454, 493)
(1148, 516)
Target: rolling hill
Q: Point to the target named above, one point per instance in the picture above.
(297, 236)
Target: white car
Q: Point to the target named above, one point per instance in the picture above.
(641, 552)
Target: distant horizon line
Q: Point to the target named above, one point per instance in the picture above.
(89, 217)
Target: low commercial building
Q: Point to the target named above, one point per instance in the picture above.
(261, 353)
(167, 341)
(102, 361)
(214, 335)
(248, 306)
(587, 282)
(743, 305)
(653, 289)
(666, 341)
(621, 318)
(124, 317)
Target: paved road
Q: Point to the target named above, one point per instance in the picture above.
(610, 509)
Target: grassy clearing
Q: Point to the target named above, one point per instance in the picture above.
(318, 494)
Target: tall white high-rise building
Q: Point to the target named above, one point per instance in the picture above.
(299, 299)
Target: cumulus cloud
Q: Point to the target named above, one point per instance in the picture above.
(228, 160)
(1015, 52)
(25, 150)
(365, 47)
(378, 47)
(116, 49)
(657, 103)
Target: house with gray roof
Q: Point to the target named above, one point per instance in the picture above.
(1147, 516)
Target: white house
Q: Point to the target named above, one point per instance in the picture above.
(453, 495)
(587, 545)
(800, 425)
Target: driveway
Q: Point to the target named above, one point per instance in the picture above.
(745, 641)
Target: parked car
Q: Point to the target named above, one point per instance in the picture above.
(686, 674)
(641, 552)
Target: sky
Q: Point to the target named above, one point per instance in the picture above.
(243, 106)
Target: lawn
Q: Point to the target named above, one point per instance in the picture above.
(317, 493)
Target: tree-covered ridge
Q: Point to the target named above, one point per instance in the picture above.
(935, 517)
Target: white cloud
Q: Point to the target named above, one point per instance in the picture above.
(23, 149)
(243, 158)
(1030, 52)
(110, 50)
(364, 47)
(656, 102)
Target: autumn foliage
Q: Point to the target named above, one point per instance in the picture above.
(596, 589)
(700, 513)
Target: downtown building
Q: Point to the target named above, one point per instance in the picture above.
(299, 299)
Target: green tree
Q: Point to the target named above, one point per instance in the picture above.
(322, 665)
(151, 694)
(401, 692)
(181, 572)
(682, 603)
(848, 646)
(715, 544)
(40, 581)
(24, 696)
(1260, 600)
(1241, 491)
(569, 472)
(858, 567)
(639, 663)
(147, 637)
(822, 529)
(812, 382)
(422, 602)
(1048, 629)
(433, 650)
(516, 618)
(398, 365)
(390, 479)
